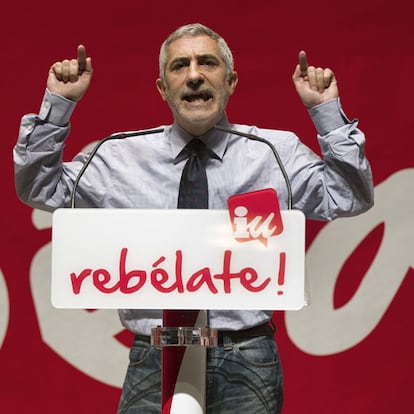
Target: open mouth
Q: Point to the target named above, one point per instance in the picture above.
(197, 97)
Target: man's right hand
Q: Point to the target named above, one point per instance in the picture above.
(71, 78)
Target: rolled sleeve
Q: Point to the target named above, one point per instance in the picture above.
(328, 116)
(56, 109)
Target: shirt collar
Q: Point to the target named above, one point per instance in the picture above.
(215, 140)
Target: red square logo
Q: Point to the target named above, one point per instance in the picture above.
(255, 215)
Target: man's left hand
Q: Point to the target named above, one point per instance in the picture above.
(314, 85)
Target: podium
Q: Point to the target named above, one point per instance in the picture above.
(178, 260)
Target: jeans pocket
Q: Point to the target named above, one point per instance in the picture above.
(260, 351)
(141, 392)
(139, 353)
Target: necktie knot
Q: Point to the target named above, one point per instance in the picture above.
(197, 148)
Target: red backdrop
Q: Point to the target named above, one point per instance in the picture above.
(351, 351)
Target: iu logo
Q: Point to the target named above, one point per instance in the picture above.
(255, 215)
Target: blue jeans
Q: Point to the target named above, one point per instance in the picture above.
(245, 377)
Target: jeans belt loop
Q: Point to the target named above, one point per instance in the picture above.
(227, 343)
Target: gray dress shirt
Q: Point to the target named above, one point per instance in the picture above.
(144, 172)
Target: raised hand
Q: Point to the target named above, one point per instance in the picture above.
(314, 85)
(71, 78)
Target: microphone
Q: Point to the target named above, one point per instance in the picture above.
(275, 153)
(117, 135)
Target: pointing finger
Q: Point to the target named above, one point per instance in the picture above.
(303, 62)
(81, 58)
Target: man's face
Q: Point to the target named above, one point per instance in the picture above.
(196, 84)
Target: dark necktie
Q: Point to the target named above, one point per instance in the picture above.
(193, 191)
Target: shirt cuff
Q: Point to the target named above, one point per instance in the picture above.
(56, 109)
(328, 116)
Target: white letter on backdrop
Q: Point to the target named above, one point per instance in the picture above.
(322, 330)
(4, 308)
(84, 339)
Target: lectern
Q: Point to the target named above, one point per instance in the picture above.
(179, 260)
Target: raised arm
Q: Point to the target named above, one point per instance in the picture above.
(42, 179)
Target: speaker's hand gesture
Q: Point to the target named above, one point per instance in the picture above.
(71, 77)
(314, 85)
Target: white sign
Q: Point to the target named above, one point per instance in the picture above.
(175, 259)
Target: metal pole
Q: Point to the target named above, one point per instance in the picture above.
(184, 338)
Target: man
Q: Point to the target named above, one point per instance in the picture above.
(196, 79)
